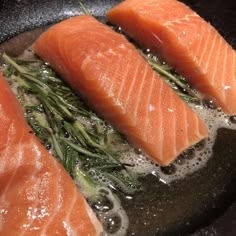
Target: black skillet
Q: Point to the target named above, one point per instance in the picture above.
(204, 203)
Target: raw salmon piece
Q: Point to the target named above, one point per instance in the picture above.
(185, 41)
(37, 196)
(111, 75)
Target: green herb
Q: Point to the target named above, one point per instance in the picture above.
(76, 136)
(84, 8)
(178, 83)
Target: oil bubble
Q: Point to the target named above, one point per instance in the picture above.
(189, 154)
(48, 146)
(113, 224)
(168, 170)
(180, 160)
(200, 145)
(209, 104)
(232, 119)
(102, 205)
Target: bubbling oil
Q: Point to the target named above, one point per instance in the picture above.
(110, 212)
(192, 159)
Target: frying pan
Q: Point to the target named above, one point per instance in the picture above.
(203, 203)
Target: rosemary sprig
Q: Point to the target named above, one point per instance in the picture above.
(178, 83)
(84, 8)
(76, 136)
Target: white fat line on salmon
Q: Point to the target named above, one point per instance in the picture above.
(57, 179)
(157, 38)
(181, 20)
(66, 222)
(93, 218)
(33, 211)
(8, 152)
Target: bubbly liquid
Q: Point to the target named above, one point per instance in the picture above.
(190, 160)
(187, 163)
(114, 220)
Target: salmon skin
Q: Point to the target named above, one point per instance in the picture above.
(37, 196)
(111, 75)
(184, 40)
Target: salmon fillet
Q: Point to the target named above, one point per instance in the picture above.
(184, 40)
(37, 196)
(111, 75)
